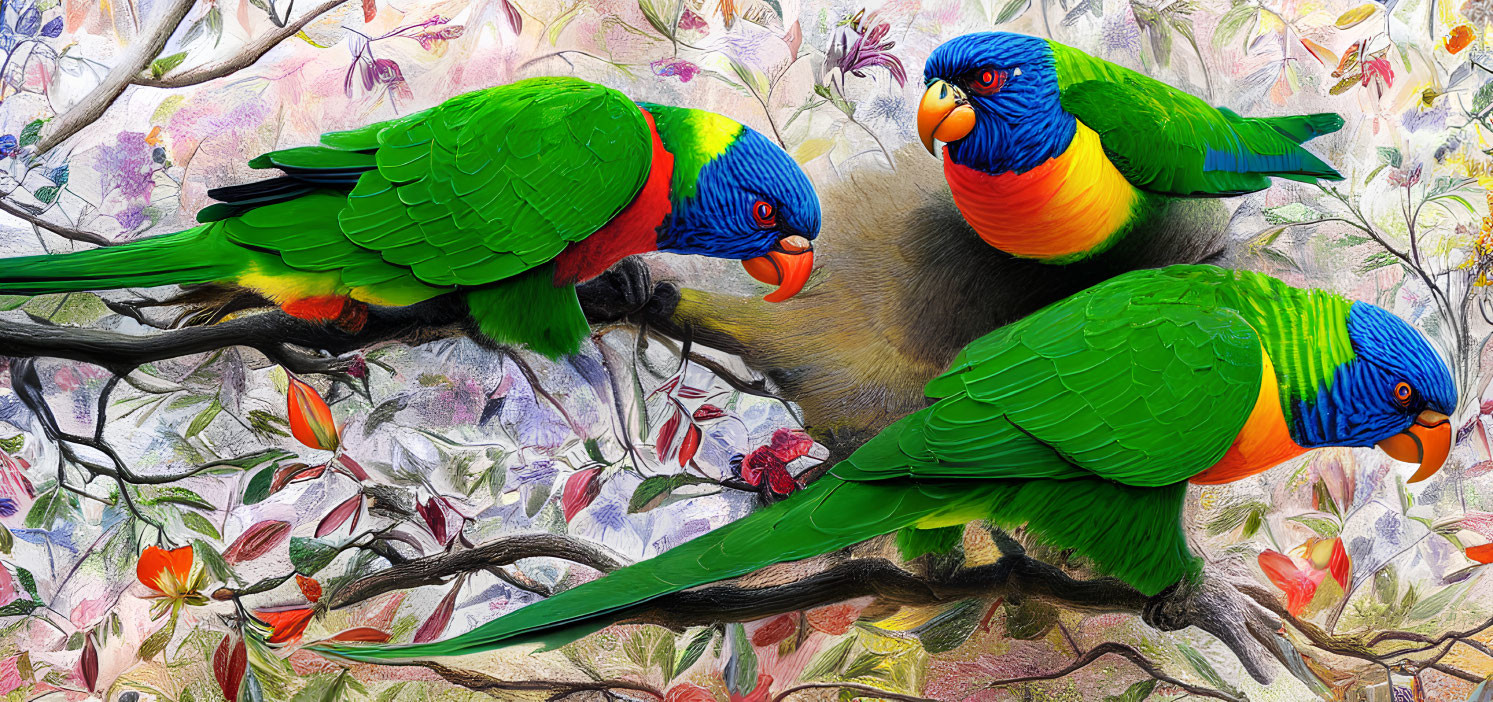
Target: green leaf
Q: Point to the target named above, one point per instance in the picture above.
(259, 486)
(310, 555)
(31, 133)
(864, 664)
(1206, 670)
(171, 494)
(740, 671)
(653, 491)
(14, 444)
(1325, 528)
(48, 508)
(203, 418)
(950, 628)
(1011, 10)
(1135, 693)
(18, 608)
(1291, 214)
(211, 559)
(562, 22)
(1390, 156)
(1030, 620)
(199, 524)
(7, 540)
(828, 664)
(157, 642)
(663, 655)
(264, 585)
(692, 651)
(163, 65)
(1387, 584)
(1370, 177)
(28, 581)
(1431, 606)
(1233, 22)
(47, 193)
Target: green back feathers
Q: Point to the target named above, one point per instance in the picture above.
(1167, 141)
(695, 138)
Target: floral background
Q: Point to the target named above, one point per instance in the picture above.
(177, 533)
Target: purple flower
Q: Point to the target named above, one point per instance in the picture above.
(690, 20)
(674, 68)
(7, 145)
(860, 43)
(127, 166)
(8, 507)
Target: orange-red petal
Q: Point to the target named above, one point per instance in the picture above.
(156, 561)
(1298, 582)
(310, 417)
(289, 624)
(1481, 554)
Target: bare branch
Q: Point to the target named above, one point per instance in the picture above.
(874, 692)
(61, 230)
(481, 682)
(1126, 652)
(436, 568)
(247, 56)
(142, 50)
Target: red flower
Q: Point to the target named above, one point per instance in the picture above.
(1299, 575)
(173, 574)
(581, 488)
(770, 462)
(1481, 554)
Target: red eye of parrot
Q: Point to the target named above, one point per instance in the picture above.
(988, 82)
(766, 216)
(1403, 393)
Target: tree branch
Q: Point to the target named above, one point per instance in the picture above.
(61, 230)
(481, 682)
(247, 56)
(1126, 652)
(436, 568)
(142, 50)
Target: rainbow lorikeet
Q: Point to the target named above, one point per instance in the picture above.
(1055, 155)
(1085, 422)
(508, 196)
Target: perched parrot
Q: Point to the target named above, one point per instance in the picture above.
(1055, 155)
(1085, 422)
(508, 196)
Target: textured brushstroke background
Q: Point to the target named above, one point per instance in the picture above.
(462, 432)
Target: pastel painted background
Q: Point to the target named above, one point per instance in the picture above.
(623, 451)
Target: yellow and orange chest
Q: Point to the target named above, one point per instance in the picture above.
(1263, 443)
(1071, 206)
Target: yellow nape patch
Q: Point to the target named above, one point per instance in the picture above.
(1072, 206)
(1265, 441)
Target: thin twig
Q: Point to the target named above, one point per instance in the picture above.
(247, 56)
(62, 230)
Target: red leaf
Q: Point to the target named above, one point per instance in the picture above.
(353, 466)
(1298, 582)
(836, 619)
(436, 624)
(689, 445)
(758, 464)
(1481, 554)
(257, 540)
(515, 20)
(309, 587)
(666, 435)
(289, 624)
(775, 631)
(229, 663)
(1486, 407)
(1339, 564)
(434, 518)
(339, 514)
(690, 392)
(791, 444)
(780, 481)
(708, 412)
(688, 692)
(370, 10)
(581, 488)
(364, 634)
(295, 473)
(89, 663)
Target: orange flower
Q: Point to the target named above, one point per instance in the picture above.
(288, 624)
(1481, 554)
(174, 575)
(1458, 38)
(310, 417)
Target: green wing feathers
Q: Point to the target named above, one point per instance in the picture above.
(191, 256)
(1167, 141)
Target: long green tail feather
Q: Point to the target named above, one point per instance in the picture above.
(1134, 533)
(186, 257)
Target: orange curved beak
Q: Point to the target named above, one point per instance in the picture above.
(787, 266)
(944, 114)
(1428, 442)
